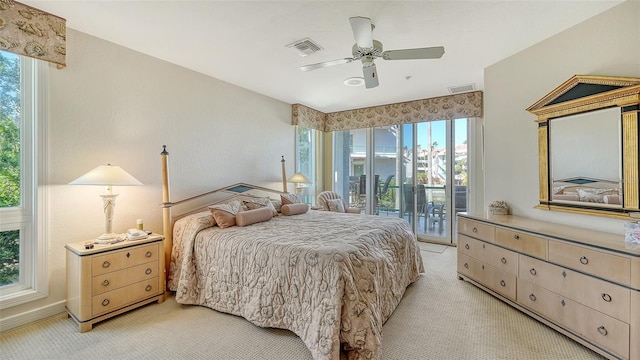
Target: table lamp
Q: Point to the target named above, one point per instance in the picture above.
(299, 179)
(107, 175)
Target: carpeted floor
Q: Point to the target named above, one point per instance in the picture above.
(440, 317)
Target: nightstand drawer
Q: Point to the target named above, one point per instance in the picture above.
(118, 298)
(522, 242)
(476, 229)
(124, 258)
(117, 279)
(606, 266)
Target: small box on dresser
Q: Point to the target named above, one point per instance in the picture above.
(583, 283)
(107, 280)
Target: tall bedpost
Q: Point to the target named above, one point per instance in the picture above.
(284, 176)
(166, 212)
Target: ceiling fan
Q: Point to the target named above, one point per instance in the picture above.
(366, 49)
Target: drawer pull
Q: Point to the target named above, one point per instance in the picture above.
(148, 254)
(584, 260)
(128, 255)
(105, 283)
(466, 265)
(466, 246)
(475, 229)
(516, 236)
(606, 297)
(502, 283)
(148, 288)
(106, 264)
(148, 271)
(602, 330)
(503, 260)
(105, 302)
(532, 271)
(532, 297)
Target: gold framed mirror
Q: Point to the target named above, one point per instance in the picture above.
(588, 146)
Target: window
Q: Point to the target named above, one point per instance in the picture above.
(306, 160)
(22, 247)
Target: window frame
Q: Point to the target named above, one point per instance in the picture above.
(30, 217)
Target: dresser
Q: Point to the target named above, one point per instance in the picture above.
(107, 280)
(583, 283)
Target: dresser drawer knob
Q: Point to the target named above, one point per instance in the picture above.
(532, 297)
(105, 302)
(502, 283)
(533, 271)
(606, 297)
(602, 330)
(516, 236)
(148, 288)
(466, 246)
(584, 260)
(503, 260)
(148, 271)
(466, 265)
(106, 264)
(128, 255)
(105, 283)
(475, 229)
(148, 254)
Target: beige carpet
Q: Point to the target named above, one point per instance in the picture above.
(440, 317)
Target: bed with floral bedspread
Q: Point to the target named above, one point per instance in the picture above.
(333, 279)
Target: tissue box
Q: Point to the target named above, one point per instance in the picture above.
(632, 233)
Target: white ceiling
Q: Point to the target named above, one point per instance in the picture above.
(243, 42)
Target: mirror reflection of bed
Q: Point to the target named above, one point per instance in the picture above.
(585, 158)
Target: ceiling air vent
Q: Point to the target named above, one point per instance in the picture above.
(305, 47)
(461, 89)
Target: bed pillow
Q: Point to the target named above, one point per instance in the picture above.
(260, 203)
(289, 198)
(277, 204)
(294, 209)
(225, 214)
(244, 218)
(595, 195)
(335, 205)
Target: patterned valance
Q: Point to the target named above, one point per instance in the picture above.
(466, 105)
(307, 117)
(31, 32)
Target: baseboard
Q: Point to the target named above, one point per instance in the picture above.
(30, 316)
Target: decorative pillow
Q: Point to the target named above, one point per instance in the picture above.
(335, 205)
(558, 189)
(294, 209)
(260, 203)
(244, 218)
(277, 204)
(225, 214)
(289, 198)
(595, 195)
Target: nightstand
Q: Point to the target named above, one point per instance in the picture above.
(108, 280)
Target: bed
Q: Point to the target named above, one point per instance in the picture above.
(333, 279)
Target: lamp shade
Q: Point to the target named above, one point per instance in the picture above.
(299, 178)
(107, 175)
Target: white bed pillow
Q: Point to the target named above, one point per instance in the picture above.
(260, 203)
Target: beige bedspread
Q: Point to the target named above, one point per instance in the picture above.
(330, 278)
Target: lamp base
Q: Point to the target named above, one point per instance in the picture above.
(107, 236)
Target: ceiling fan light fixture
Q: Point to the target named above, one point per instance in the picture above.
(354, 81)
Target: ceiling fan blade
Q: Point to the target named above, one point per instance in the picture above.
(362, 31)
(370, 76)
(325, 64)
(420, 53)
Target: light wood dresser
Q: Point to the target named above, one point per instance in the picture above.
(583, 283)
(108, 280)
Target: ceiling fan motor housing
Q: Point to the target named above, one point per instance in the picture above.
(374, 52)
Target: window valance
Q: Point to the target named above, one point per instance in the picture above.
(466, 105)
(27, 31)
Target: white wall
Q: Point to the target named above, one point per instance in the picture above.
(114, 105)
(607, 44)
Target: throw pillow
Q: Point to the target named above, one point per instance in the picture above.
(289, 198)
(335, 205)
(260, 203)
(244, 218)
(225, 214)
(294, 209)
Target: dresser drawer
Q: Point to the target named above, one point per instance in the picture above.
(471, 247)
(611, 299)
(476, 229)
(522, 242)
(118, 298)
(117, 279)
(603, 330)
(470, 267)
(500, 281)
(606, 266)
(125, 258)
(501, 259)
